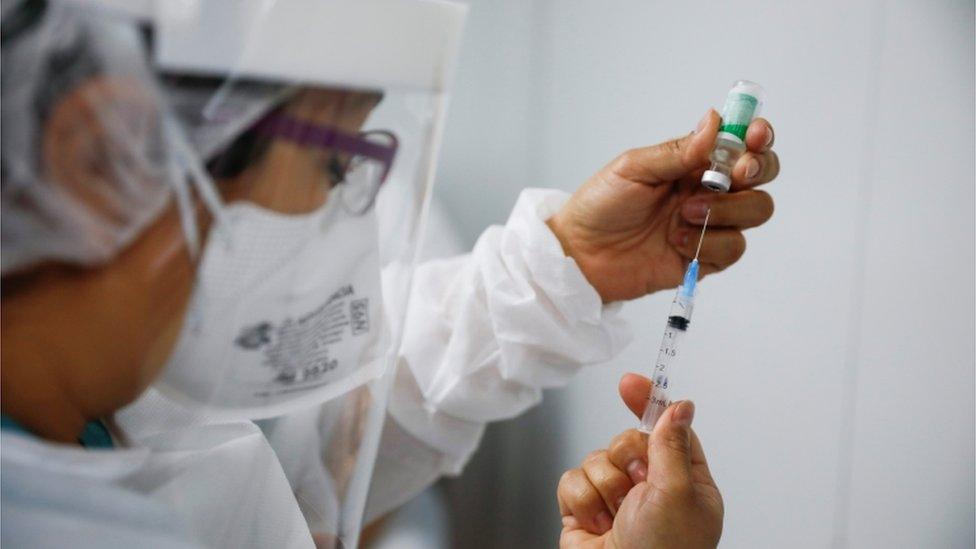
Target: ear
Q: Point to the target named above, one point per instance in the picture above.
(89, 137)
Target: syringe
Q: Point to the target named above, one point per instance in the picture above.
(678, 320)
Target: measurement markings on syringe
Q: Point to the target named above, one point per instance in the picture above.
(678, 321)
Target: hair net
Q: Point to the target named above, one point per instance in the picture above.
(93, 137)
(85, 161)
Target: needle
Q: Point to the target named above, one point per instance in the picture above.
(702, 237)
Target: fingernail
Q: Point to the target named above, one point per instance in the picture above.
(694, 210)
(604, 522)
(769, 137)
(704, 121)
(637, 470)
(752, 168)
(684, 413)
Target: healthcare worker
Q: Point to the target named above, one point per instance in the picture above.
(213, 332)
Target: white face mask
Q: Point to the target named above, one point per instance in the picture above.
(286, 313)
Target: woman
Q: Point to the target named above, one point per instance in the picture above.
(212, 283)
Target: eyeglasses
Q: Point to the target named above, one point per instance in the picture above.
(362, 161)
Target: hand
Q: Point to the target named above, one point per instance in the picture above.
(634, 225)
(635, 494)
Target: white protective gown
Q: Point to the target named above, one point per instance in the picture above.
(485, 333)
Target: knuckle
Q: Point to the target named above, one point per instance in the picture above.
(574, 489)
(625, 163)
(673, 146)
(676, 442)
(582, 494)
(626, 444)
(594, 457)
(619, 445)
(599, 477)
(611, 484)
(632, 435)
(567, 479)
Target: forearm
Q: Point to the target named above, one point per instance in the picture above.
(486, 332)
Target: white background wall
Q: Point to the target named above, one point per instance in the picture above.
(833, 367)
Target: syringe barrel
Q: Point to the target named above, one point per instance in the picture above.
(656, 405)
(660, 396)
(679, 318)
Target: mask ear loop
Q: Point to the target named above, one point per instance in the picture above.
(186, 165)
(177, 171)
(188, 218)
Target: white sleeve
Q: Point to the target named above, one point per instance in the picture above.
(486, 332)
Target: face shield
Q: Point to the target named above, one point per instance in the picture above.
(304, 279)
(294, 257)
(319, 136)
(298, 141)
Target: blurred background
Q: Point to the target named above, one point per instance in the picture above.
(833, 366)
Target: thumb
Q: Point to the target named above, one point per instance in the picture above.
(669, 451)
(671, 160)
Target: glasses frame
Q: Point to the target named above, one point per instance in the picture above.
(323, 136)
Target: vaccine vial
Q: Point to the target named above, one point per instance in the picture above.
(743, 103)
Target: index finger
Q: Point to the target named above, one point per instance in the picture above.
(628, 452)
(671, 160)
(634, 390)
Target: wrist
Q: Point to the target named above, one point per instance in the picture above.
(562, 229)
(557, 225)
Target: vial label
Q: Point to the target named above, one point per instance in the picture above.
(737, 114)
